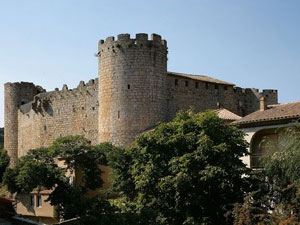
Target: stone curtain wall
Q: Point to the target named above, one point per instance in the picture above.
(247, 99)
(57, 114)
(185, 92)
(132, 86)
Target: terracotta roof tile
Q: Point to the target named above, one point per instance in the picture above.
(274, 113)
(201, 78)
(225, 114)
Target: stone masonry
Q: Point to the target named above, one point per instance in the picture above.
(133, 93)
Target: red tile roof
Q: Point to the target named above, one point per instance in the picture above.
(225, 114)
(201, 78)
(280, 112)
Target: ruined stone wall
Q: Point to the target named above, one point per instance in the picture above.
(16, 94)
(132, 86)
(57, 114)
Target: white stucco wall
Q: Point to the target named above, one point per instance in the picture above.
(251, 131)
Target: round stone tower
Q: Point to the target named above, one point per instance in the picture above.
(132, 86)
(15, 95)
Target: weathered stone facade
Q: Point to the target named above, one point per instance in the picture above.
(134, 92)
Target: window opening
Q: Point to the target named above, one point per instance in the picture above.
(38, 201)
(32, 200)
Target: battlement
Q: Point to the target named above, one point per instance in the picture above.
(124, 41)
(269, 91)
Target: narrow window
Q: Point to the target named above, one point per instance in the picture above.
(82, 108)
(93, 108)
(176, 82)
(32, 200)
(206, 85)
(225, 88)
(216, 86)
(38, 201)
(118, 114)
(45, 127)
(196, 85)
(186, 83)
(128, 86)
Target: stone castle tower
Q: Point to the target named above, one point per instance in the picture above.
(132, 86)
(16, 94)
(133, 93)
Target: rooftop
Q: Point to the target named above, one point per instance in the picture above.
(201, 78)
(225, 114)
(275, 113)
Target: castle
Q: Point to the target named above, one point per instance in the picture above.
(133, 93)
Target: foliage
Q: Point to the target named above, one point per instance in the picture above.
(283, 165)
(187, 171)
(69, 158)
(4, 161)
(279, 186)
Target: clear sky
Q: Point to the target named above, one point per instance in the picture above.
(252, 43)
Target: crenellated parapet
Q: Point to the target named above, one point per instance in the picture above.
(124, 43)
(40, 102)
(248, 99)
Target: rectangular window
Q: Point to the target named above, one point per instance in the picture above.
(206, 85)
(32, 200)
(128, 86)
(118, 114)
(196, 85)
(225, 88)
(38, 201)
(176, 82)
(186, 83)
(216, 86)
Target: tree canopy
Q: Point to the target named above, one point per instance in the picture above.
(41, 169)
(277, 197)
(185, 171)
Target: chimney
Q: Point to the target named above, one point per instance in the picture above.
(263, 103)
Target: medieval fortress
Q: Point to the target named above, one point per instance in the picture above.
(133, 93)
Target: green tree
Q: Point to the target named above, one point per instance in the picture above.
(40, 169)
(187, 171)
(278, 189)
(4, 161)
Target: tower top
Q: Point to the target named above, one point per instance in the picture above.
(124, 41)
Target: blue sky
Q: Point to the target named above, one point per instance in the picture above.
(252, 43)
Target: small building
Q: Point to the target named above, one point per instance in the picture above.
(227, 116)
(265, 129)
